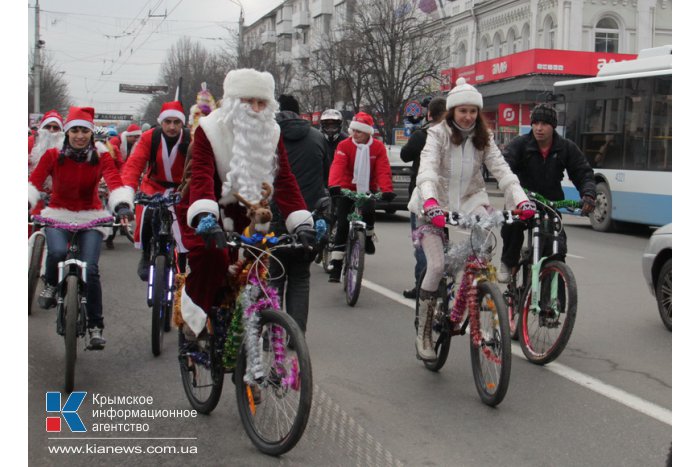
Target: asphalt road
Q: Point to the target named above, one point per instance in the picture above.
(605, 401)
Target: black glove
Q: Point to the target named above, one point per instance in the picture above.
(388, 196)
(213, 237)
(588, 205)
(307, 236)
(124, 212)
(334, 191)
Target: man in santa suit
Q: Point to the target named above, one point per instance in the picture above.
(49, 135)
(235, 149)
(164, 168)
(360, 164)
(125, 142)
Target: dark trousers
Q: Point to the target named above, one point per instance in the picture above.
(513, 236)
(345, 206)
(419, 254)
(295, 273)
(90, 244)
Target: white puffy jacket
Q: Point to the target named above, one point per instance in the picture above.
(452, 174)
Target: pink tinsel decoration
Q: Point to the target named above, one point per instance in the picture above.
(70, 226)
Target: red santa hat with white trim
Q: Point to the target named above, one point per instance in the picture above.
(172, 110)
(363, 122)
(132, 130)
(80, 116)
(52, 116)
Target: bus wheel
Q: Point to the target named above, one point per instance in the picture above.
(601, 217)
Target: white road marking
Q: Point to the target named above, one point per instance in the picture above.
(623, 397)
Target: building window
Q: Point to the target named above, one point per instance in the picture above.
(549, 31)
(484, 49)
(511, 44)
(497, 45)
(607, 35)
(461, 55)
(525, 37)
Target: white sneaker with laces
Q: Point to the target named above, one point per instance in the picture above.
(97, 342)
(503, 274)
(47, 297)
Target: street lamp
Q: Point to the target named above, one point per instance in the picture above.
(240, 27)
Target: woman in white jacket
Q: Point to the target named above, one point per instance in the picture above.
(450, 176)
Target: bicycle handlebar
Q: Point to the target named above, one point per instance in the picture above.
(573, 206)
(158, 199)
(283, 242)
(360, 197)
(40, 221)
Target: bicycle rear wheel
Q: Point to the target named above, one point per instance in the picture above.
(202, 373)
(35, 267)
(442, 335)
(275, 411)
(491, 355)
(160, 303)
(354, 267)
(544, 335)
(71, 310)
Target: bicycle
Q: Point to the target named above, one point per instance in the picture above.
(542, 297)
(164, 263)
(478, 295)
(37, 255)
(118, 227)
(71, 321)
(262, 346)
(354, 264)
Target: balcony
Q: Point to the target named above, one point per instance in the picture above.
(300, 51)
(268, 37)
(301, 19)
(321, 7)
(285, 27)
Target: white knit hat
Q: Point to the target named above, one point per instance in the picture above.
(464, 94)
(249, 83)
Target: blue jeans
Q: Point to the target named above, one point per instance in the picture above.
(296, 275)
(418, 254)
(90, 244)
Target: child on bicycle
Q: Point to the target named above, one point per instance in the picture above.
(450, 177)
(76, 170)
(360, 164)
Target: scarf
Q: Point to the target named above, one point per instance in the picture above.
(78, 155)
(461, 169)
(360, 173)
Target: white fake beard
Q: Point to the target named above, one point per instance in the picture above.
(44, 141)
(254, 151)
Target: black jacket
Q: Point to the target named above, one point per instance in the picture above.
(330, 147)
(544, 176)
(306, 149)
(411, 153)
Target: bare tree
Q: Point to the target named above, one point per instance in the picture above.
(263, 57)
(402, 54)
(190, 61)
(54, 88)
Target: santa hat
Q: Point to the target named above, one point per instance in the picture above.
(249, 83)
(170, 110)
(51, 116)
(80, 116)
(132, 130)
(464, 94)
(363, 122)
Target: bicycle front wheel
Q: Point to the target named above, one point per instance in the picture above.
(355, 266)
(544, 334)
(202, 373)
(442, 332)
(35, 267)
(160, 303)
(275, 409)
(71, 311)
(490, 350)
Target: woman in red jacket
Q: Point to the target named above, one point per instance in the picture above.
(76, 170)
(360, 164)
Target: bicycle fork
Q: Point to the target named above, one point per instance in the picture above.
(537, 263)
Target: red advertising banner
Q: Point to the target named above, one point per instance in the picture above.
(315, 118)
(539, 61)
(508, 114)
(306, 116)
(524, 114)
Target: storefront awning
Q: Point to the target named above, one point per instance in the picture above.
(532, 88)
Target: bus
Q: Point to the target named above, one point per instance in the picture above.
(621, 120)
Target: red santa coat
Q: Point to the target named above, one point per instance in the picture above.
(74, 196)
(165, 176)
(209, 266)
(344, 163)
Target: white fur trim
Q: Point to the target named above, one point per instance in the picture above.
(228, 224)
(132, 133)
(123, 194)
(248, 83)
(208, 206)
(51, 120)
(73, 123)
(171, 113)
(34, 195)
(78, 217)
(363, 127)
(101, 147)
(298, 218)
(192, 314)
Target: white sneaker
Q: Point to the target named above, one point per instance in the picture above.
(503, 274)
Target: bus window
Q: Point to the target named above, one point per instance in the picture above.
(660, 138)
(637, 123)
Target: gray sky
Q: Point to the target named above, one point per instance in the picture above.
(100, 44)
